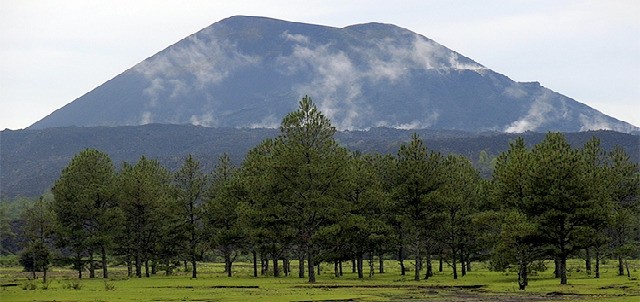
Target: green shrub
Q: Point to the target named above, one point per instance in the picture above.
(73, 284)
(29, 285)
(109, 285)
(45, 285)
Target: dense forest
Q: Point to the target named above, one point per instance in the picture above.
(303, 196)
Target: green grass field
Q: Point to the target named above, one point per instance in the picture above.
(213, 285)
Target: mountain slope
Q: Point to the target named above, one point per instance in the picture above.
(251, 71)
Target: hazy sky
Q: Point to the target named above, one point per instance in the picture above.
(52, 52)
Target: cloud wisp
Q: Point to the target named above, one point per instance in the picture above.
(337, 82)
(191, 66)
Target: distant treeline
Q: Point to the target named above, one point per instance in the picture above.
(31, 160)
(303, 196)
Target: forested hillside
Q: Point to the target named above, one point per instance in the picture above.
(30, 160)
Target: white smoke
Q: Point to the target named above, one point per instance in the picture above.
(207, 62)
(515, 92)
(270, 121)
(593, 123)
(205, 120)
(153, 91)
(537, 115)
(147, 118)
(423, 54)
(337, 80)
(415, 124)
(301, 39)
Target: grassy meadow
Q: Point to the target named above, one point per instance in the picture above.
(213, 285)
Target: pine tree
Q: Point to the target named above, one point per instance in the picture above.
(310, 166)
(558, 200)
(190, 184)
(39, 226)
(150, 213)
(84, 202)
(418, 176)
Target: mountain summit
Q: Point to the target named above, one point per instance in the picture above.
(251, 71)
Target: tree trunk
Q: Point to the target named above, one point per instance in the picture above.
(597, 263)
(138, 264)
(265, 265)
(129, 266)
(587, 261)
(154, 267)
(186, 266)
(416, 276)
(429, 267)
(301, 265)
(285, 266)
(454, 265)
(194, 272)
(441, 264)
(311, 267)
(262, 270)
(468, 263)
(318, 273)
(255, 263)
(340, 267)
(276, 268)
(354, 265)
(336, 272)
(79, 264)
(522, 275)
(626, 264)
(359, 266)
(103, 254)
(403, 271)
(381, 263)
(92, 267)
(463, 267)
(33, 264)
(371, 265)
(563, 269)
(146, 268)
(620, 266)
(45, 268)
(556, 263)
(194, 240)
(227, 264)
